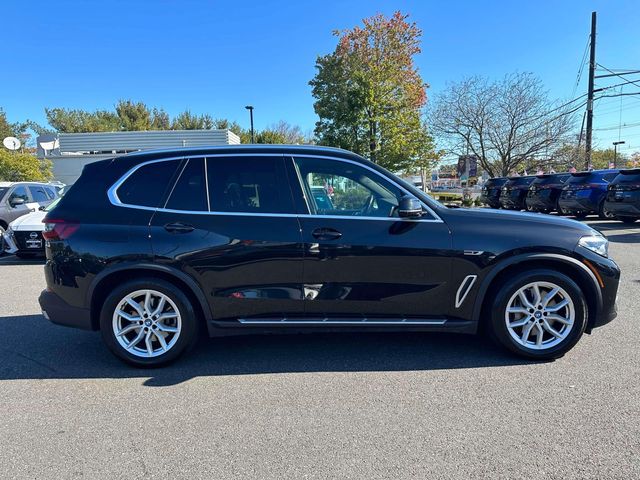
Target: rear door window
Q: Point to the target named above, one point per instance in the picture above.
(190, 190)
(147, 186)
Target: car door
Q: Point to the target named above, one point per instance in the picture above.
(14, 209)
(361, 259)
(229, 222)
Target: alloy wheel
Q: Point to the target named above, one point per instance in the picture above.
(146, 323)
(540, 315)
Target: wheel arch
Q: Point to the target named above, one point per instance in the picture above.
(107, 279)
(571, 267)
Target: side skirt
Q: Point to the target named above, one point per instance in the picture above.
(254, 326)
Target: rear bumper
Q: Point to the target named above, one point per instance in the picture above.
(493, 201)
(623, 208)
(541, 203)
(57, 311)
(575, 204)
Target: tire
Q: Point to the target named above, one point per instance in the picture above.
(551, 347)
(628, 220)
(603, 213)
(179, 332)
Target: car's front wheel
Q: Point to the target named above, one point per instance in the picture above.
(539, 314)
(148, 322)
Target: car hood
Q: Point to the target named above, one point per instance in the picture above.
(31, 221)
(490, 214)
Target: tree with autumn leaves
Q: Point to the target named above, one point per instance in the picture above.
(370, 96)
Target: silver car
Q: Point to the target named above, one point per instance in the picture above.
(20, 198)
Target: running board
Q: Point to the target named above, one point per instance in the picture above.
(346, 322)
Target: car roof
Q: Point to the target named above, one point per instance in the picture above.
(10, 184)
(135, 158)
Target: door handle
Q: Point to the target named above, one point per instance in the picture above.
(326, 234)
(178, 227)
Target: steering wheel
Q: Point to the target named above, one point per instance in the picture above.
(367, 206)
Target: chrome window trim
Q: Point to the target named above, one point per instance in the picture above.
(115, 200)
(348, 323)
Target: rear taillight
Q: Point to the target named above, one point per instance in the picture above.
(58, 229)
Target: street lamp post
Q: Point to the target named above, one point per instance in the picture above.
(250, 108)
(615, 151)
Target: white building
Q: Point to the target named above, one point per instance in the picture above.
(70, 152)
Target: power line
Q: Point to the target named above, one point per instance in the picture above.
(621, 75)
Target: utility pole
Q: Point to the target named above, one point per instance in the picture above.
(592, 70)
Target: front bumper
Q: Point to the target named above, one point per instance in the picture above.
(56, 310)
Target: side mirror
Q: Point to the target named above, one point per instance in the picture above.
(16, 201)
(409, 207)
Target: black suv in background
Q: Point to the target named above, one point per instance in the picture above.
(491, 191)
(623, 196)
(151, 248)
(514, 192)
(544, 192)
(584, 193)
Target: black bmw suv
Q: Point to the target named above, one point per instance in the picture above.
(623, 196)
(490, 195)
(544, 192)
(232, 240)
(514, 192)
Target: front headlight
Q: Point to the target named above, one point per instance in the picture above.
(595, 243)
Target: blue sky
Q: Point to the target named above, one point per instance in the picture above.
(215, 57)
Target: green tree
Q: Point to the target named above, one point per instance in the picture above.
(600, 159)
(190, 121)
(6, 129)
(369, 95)
(19, 167)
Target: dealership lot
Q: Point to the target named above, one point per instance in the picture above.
(319, 406)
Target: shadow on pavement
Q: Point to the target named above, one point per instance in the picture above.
(13, 260)
(31, 348)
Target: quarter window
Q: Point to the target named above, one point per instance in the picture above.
(248, 185)
(190, 191)
(147, 185)
(340, 188)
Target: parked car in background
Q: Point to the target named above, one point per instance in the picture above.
(623, 196)
(584, 193)
(322, 198)
(233, 240)
(514, 192)
(490, 195)
(20, 198)
(544, 192)
(24, 235)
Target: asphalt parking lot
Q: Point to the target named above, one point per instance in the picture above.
(319, 406)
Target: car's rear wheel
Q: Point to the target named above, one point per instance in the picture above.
(539, 314)
(148, 322)
(605, 214)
